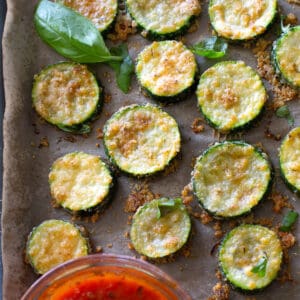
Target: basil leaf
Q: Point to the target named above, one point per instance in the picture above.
(70, 34)
(79, 129)
(261, 267)
(284, 112)
(288, 221)
(166, 205)
(123, 69)
(213, 47)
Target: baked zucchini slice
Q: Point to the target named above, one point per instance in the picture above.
(250, 256)
(230, 95)
(163, 19)
(166, 70)
(286, 56)
(101, 12)
(289, 159)
(66, 95)
(160, 227)
(230, 178)
(54, 242)
(141, 139)
(80, 182)
(241, 20)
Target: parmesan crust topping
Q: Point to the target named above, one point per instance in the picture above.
(79, 181)
(243, 249)
(241, 20)
(290, 157)
(163, 16)
(230, 94)
(100, 12)
(54, 242)
(65, 94)
(288, 56)
(141, 139)
(166, 68)
(231, 178)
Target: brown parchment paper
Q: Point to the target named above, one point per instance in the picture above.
(26, 197)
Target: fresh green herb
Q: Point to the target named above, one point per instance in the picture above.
(75, 37)
(261, 267)
(166, 205)
(288, 221)
(284, 112)
(123, 69)
(78, 129)
(213, 47)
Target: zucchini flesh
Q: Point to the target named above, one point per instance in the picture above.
(101, 12)
(141, 139)
(241, 20)
(157, 234)
(166, 70)
(54, 242)
(66, 94)
(230, 178)
(286, 55)
(80, 182)
(230, 95)
(250, 256)
(163, 19)
(289, 159)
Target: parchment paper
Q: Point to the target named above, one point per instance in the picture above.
(26, 197)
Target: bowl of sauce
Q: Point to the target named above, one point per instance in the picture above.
(106, 277)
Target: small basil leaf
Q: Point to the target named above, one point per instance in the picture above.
(122, 69)
(166, 205)
(213, 47)
(70, 34)
(288, 221)
(284, 112)
(261, 267)
(79, 129)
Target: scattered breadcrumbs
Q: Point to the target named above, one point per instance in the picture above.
(68, 138)
(271, 135)
(291, 18)
(197, 125)
(98, 249)
(130, 246)
(35, 129)
(279, 202)
(43, 142)
(187, 194)
(139, 195)
(281, 92)
(218, 229)
(172, 166)
(109, 245)
(220, 291)
(293, 1)
(107, 98)
(99, 133)
(97, 145)
(124, 26)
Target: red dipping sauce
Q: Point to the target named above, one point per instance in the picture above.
(106, 277)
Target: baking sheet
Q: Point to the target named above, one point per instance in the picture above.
(26, 197)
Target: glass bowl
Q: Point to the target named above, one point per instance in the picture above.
(105, 276)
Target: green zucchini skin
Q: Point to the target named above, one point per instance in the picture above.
(289, 159)
(285, 52)
(172, 229)
(54, 242)
(229, 101)
(164, 76)
(223, 182)
(81, 183)
(141, 140)
(102, 13)
(68, 96)
(152, 32)
(241, 251)
(245, 21)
